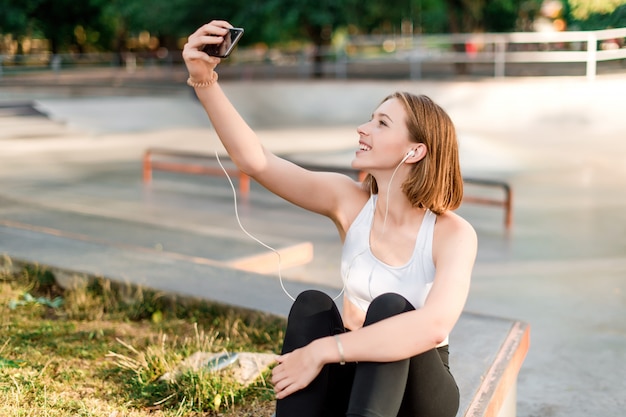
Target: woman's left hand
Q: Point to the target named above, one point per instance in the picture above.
(295, 370)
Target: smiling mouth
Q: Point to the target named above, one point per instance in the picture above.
(364, 147)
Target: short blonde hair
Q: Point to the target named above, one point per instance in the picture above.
(435, 182)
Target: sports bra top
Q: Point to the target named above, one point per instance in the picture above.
(366, 277)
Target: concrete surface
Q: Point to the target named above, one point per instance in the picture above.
(558, 141)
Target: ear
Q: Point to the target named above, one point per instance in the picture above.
(419, 150)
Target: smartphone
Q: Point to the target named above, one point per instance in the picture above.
(223, 49)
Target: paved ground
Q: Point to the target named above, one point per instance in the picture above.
(560, 143)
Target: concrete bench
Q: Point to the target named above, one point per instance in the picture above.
(198, 163)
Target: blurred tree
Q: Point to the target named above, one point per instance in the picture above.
(171, 21)
(432, 16)
(384, 17)
(14, 16)
(503, 15)
(485, 16)
(108, 24)
(583, 9)
(69, 24)
(598, 21)
(465, 15)
(304, 19)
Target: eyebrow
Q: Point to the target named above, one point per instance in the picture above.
(382, 115)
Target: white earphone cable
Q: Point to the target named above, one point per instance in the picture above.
(232, 186)
(387, 196)
(280, 277)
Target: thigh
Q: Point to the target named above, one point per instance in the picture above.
(378, 387)
(314, 315)
(431, 390)
(418, 386)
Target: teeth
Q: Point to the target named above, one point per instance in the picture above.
(364, 147)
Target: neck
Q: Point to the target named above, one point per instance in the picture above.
(391, 198)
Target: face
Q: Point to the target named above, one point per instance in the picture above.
(384, 140)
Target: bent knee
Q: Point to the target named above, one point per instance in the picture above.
(311, 302)
(385, 306)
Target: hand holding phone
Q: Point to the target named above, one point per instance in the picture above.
(224, 48)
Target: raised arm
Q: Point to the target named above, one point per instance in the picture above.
(238, 138)
(318, 192)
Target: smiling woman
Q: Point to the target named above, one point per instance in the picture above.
(406, 263)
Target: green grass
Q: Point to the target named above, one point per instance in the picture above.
(99, 349)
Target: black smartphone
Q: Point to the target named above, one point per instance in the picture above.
(223, 49)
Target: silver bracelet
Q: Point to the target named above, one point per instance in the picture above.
(342, 359)
(195, 84)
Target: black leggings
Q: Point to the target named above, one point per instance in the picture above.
(419, 386)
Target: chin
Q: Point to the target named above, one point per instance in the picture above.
(358, 162)
(355, 164)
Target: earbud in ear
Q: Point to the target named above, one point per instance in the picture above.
(408, 155)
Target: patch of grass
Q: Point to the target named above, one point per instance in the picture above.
(92, 348)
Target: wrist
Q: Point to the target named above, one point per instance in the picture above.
(192, 82)
(340, 351)
(325, 349)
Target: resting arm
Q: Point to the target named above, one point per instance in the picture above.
(414, 332)
(406, 334)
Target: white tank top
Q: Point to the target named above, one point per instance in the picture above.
(366, 277)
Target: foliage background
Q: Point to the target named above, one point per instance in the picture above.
(119, 25)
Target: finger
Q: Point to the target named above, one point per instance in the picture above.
(221, 23)
(275, 379)
(215, 28)
(288, 390)
(208, 33)
(278, 374)
(193, 54)
(281, 385)
(198, 41)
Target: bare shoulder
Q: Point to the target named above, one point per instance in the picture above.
(351, 201)
(451, 228)
(455, 246)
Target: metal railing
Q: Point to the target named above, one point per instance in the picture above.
(198, 163)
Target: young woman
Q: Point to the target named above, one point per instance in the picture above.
(406, 262)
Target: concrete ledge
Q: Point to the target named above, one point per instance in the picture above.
(486, 353)
(192, 276)
(265, 263)
(486, 356)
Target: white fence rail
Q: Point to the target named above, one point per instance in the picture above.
(498, 49)
(408, 55)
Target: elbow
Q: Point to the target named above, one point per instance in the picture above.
(439, 333)
(438, 323)
(253, 166)
(439, 336)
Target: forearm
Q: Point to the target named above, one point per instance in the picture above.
(389, 340)
(240, 141)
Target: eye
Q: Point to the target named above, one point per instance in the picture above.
(381, 122)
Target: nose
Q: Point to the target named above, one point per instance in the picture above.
(361, 129)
